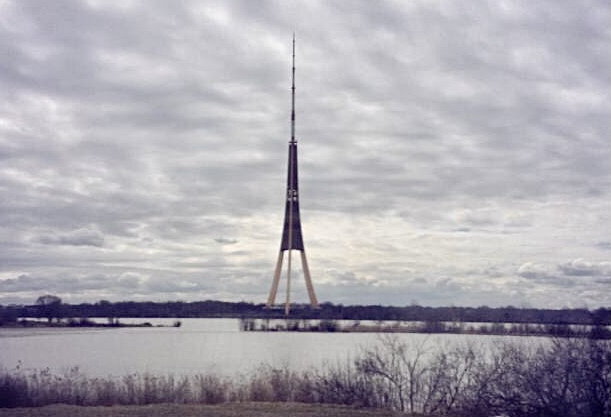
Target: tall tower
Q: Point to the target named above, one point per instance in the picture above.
(292, 238)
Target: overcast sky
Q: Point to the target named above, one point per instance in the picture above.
(451, 153)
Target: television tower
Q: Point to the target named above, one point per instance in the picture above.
(292, 238)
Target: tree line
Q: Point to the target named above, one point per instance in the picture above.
(51, 307)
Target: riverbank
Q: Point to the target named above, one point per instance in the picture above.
(426, 327)
(84, 322)
(196, 410)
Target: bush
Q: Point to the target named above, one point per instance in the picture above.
(328, 326)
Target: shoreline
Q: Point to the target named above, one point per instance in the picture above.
(252, 409)
(484, 329)
(81, 323)
(340, 326)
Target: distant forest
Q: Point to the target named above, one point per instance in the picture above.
(51, 307)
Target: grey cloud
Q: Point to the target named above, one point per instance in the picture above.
(80, 237)
(225, 241)
(22, 283)
(604, 245)
(156, 285)
(580, 267)
(536, 271)
(350, 279)
(65, 284)
(566, 273)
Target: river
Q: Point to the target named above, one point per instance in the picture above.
(198, 346)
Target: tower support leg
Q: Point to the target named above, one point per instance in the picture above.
(287, 304)
(271, 300)
(308, 280)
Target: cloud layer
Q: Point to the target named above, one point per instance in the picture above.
(449, 153)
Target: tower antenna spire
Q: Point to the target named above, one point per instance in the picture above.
(293, 96)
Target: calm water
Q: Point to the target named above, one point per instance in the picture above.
(199, 345)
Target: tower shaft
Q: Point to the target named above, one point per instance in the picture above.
(292, 238)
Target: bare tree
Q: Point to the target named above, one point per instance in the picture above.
(50, 306)
(450, 374)
(400, 368)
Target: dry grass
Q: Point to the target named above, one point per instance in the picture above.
(196, 410)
